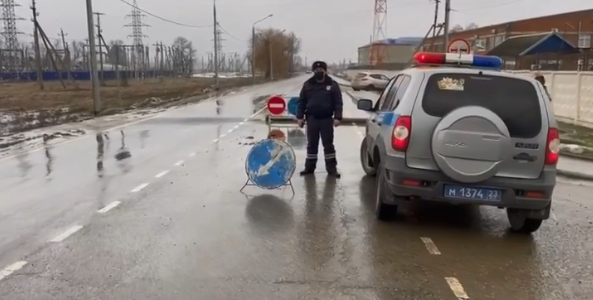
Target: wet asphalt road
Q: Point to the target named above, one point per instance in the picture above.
(154, 212)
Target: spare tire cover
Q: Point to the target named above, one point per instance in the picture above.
(470, 144)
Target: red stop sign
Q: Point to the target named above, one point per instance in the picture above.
(276, 105)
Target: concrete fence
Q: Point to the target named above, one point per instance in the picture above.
(571, 92)
(572, 95)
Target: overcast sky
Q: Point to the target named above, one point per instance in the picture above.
(331, 30)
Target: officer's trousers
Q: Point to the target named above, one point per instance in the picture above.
(323, 128)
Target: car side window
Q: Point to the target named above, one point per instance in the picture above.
(388, 101)
(401, 90)
(383, 96)
(376, 76)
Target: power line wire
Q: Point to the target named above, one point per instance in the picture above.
(163, 19)
(225, 31)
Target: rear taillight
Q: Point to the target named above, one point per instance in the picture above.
(401, 133)
(553, 146)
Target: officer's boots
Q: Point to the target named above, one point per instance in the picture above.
(310, 165)
(331, 167)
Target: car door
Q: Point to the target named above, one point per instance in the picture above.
(382, 106)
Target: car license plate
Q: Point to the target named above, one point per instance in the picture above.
(472, 193)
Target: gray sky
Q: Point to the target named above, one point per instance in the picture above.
(331, 30)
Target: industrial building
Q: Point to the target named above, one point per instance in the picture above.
(397, 51)
(555, 42)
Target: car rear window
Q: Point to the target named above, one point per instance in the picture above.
(514, 100)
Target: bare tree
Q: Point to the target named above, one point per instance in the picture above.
(471, 26)
(183, 56)
(275, 52)
(456, 28)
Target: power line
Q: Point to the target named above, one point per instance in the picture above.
(225, 31)
(163, 19)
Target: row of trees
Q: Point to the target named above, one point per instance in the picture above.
(276, 52)
(179, 56)
(459, 28)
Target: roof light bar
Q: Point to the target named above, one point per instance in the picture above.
(435, 58)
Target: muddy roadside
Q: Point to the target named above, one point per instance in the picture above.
(30, 117)
(23, 106)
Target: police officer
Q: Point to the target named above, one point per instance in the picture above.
(542, 80)
(320, 106)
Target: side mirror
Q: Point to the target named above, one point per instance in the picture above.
(365, 104)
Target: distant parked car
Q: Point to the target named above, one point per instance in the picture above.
(369, 81)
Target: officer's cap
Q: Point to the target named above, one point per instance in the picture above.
(319, 64)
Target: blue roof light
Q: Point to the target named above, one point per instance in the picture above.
(486, 61)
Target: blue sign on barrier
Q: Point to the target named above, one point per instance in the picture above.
(293, 105)
(270, 164)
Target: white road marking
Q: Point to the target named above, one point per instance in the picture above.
(430, 246)
(109, 207)
(236, 127)
(179, 163)
(11, 269)
(256, 113)
(161, 174)
(192, 154)
(221, 136)
(553, 216)
(70, 231)
(139, 188)
(240, 124)
(457, 288)
(230, 130)
(216, 140)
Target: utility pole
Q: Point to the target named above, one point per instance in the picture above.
(435, 23)
(215, 45)
(99, 33)
(253, 53)
(66, 51)
(447, 21)
(93, 52)
(36, 41)
(63, 36)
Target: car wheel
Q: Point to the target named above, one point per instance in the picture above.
(370, 88)
(365, 160)
(520, 223)
(356, 90)
(383, 212)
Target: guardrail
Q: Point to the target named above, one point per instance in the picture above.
(572, 95)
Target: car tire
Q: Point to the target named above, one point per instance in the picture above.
(370, 88)
(365, 160)
(383, 212)
(356, 90)
(520, 223)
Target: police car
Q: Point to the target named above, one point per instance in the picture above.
(456, 129)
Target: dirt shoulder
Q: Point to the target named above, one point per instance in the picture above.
(23, 106)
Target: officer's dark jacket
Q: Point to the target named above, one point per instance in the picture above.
(320, 100)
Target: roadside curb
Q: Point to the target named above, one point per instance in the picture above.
(574, 175)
